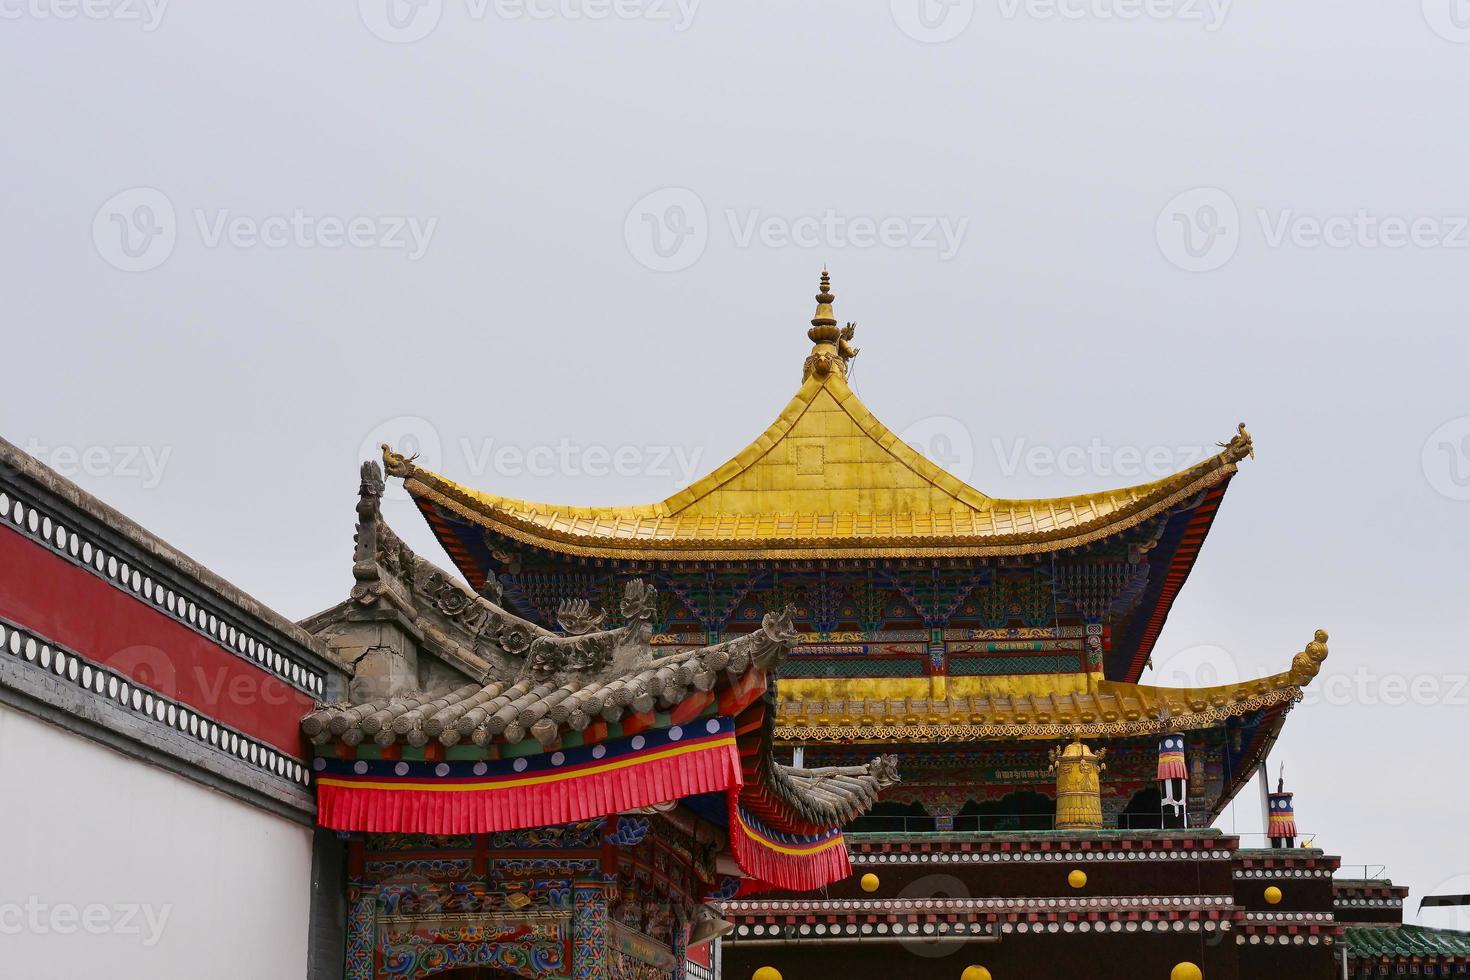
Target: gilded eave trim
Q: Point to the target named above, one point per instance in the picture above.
(433, 489)
(940, 732)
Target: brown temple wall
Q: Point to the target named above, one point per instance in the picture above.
(1135, 956)
(1262, 962)
(1297, 894)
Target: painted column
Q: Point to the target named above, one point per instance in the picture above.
(681, 949)
(362, 907)
(590, 898)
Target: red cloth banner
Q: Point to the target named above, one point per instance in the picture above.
(544, 791)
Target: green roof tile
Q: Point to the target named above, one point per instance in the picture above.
(1367, 942)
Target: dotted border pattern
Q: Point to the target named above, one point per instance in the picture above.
(970, 857)
(1291, 917)
(1295, 939)
(41, 654)
(951, 905)
(970, 928)
(80, 550)
(1357, 903)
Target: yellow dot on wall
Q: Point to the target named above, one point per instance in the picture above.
(1186, 971)
(1273, 895)
(766, 973)
(975, 973)
(1078, 878)
(869, 882)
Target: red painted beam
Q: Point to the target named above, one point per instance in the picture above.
(70, 606)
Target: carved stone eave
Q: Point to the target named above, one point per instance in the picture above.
(834, 794)
(765, 648)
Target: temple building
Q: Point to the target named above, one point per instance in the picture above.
(554, 803)
(827, 711)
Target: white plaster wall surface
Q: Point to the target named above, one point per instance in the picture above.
(113, 868)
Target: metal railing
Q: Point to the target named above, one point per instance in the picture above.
(1369, 872)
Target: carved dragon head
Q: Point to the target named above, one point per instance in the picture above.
(397, 464)
(372, 479)
(884, 770)
(780, 626)
(779, 629)
(1239, 446)
(576, 616)
(640, 601)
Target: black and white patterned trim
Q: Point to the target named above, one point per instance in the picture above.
(1121, 925)
(942, 906)
(27, 647)
(856, 929)
(1072, 856)
(1295, 918)
(1256, 938)
(180, 604)
(1280, 873)
(1377, 903)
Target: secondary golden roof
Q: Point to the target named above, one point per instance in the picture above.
(1024, 707)
(825, 480)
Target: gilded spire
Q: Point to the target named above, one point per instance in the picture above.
(823, 317)
(830, 348)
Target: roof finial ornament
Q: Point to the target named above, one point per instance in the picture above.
(397, 464)
(1239, 446)
(823, 317)
(831, 350)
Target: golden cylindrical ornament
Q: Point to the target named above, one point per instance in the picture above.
(1079, 786)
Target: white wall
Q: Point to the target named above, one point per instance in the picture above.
(112, 868)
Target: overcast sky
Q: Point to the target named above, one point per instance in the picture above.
(570, 247)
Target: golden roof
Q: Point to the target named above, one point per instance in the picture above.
(1040, 706)
(825, 480)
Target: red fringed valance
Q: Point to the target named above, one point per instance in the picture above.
(548, 793)
(405, 796)
(785, 861)
(1281, 825)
